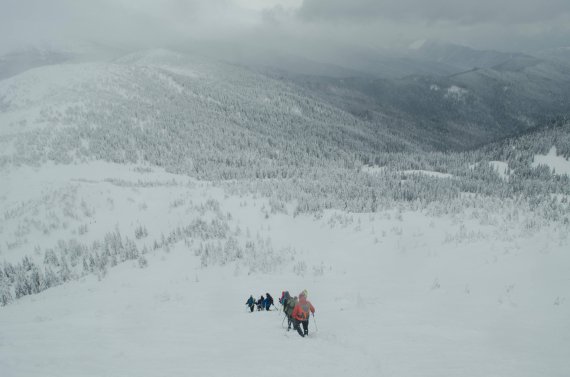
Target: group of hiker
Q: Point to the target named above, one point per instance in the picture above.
(264, 303)
(297, 309)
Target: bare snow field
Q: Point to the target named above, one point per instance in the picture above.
(397, 293)
(558, 164)
(380, 170)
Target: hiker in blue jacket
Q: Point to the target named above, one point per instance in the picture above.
(250, 302)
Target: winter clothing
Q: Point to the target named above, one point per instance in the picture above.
(268, 301)
(284, 297)
(302, 309)
(288, 309)
(250, 302)
(297, 326)
(301, 313)
(290, 305)
(261, 303)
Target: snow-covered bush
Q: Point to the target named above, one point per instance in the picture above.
(300, 268)
(140, 232)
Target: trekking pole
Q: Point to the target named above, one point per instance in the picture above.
(315, 320)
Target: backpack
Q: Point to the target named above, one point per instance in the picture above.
(286, 297)
(305, 308)
(291, 303)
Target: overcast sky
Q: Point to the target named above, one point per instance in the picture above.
(297, 24)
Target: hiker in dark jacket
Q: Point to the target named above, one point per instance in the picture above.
(268, 301)
(250, 302)
(260, 303)
(284, 297)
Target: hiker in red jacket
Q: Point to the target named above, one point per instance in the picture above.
(301, 314)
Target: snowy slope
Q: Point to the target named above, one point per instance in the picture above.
(119, 257)
(396, 293)
(181, 112)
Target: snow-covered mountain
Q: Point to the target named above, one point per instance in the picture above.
(458, 111)
(560, 54)
(463, 58)
(177, 104)
(19, 61)
(145, 198)
(423, 57)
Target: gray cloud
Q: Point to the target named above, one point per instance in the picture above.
(523, 25)
(481, 11)
(317, 29)
(136, 23)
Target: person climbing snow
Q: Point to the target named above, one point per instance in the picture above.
(260, 303)
(268, 301)
(251, 303)
(288, 307)
(301, 314)
(284, 297)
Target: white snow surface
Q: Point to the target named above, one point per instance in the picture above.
(38, 98)
(381, 169)
(456, 93)
(558, 164)
(375, 169)
(430, 173)
(501, 167)
(396, 294)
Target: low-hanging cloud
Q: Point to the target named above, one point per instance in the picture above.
(481, 11)
(136, 23)
(318, 29)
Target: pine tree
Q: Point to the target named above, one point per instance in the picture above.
(5, 291)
